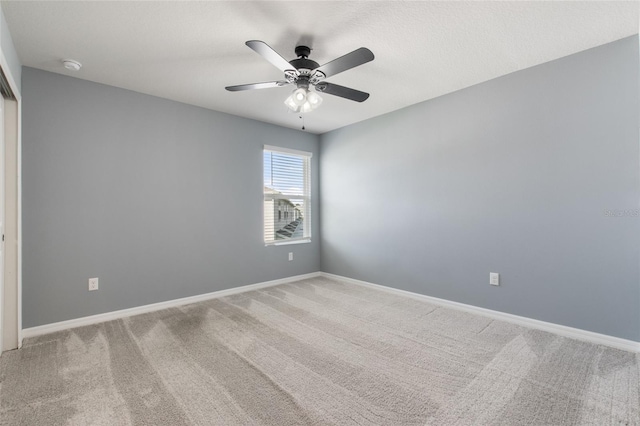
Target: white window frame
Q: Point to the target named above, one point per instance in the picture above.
(306, 197)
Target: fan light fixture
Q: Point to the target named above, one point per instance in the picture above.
(307, 74)
(303, 100)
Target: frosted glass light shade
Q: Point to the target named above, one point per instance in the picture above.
(291, 104)
(299, 96)
(303, 100)
(314, 99)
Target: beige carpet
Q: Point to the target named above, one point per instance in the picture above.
(315, 352)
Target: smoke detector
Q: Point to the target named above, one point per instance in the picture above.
(71, 65)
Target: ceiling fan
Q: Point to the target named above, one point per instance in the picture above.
(306, 73)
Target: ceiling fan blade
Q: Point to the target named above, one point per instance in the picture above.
(266, 85)
(270, 55)
(346, 62)
(343, 92)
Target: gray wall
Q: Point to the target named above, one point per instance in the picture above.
(158, 199)
(512, 176)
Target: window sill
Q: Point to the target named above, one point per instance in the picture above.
(287, 243)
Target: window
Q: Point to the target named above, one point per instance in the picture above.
(287, 195)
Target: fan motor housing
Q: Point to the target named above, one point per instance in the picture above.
(304, 63)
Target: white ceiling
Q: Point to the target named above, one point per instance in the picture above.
(189, 51)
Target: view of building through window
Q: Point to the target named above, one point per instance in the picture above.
(286, 195)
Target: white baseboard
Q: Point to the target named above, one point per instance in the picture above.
(109, 316)
(562, 330)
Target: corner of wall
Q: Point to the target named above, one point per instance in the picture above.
(10, 62)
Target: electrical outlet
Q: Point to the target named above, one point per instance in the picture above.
(290, 256)
(93, 284)
(494, 278)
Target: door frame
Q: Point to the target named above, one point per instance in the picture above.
(10, 269)
(3, 194)
(15, 89)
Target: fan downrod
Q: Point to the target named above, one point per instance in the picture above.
(303, 51)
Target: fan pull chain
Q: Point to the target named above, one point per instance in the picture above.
(302, 118)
